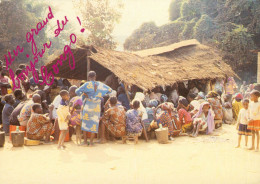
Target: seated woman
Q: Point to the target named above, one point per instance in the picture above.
(215, 103)
(113, 120)
(184, 116)
(134, 122)
(150, 112)
(39, 125)
(227, 110)
(165, 117)
(203, 120)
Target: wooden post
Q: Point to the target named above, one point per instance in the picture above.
(88, 66)
(258, 68)
(126, 92)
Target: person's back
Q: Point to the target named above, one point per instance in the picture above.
(25, 113)
(8, 109)
(14, 116)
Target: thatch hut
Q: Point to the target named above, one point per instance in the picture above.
(146, 72)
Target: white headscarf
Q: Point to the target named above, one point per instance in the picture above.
(140, 97)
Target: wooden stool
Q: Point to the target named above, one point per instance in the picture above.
(12, 128)
(125, 138)
(18, 138)
(29, 142)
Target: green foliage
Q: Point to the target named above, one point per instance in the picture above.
(16, 21)
(174, 9)
(204, 28)
(233, 26)
(99, 18)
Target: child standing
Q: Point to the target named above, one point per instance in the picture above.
(63, 117)
(242, 122)
(254, 116)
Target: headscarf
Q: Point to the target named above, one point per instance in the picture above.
(212, 94)
(239, 96)
(167, 106)
(140, 97)
(163, 98)
(201, 94)
(153, 103)
(183, 101)
(113, 93)
(210, 118)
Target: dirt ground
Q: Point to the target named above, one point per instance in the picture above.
(206, 159)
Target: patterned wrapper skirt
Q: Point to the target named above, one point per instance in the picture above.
(254, 125)
(243, 130)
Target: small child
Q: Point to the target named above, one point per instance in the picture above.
(7, 111)
(254, 118)
(237, 105)
(63, 117)
(75, 120)
(242, 122)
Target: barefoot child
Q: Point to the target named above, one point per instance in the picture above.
(242, 122)
(63, 117)
(254, 116)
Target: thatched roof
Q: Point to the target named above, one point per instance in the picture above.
(165, 49)
(144, 72)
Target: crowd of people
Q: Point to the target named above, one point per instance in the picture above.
(49, 113)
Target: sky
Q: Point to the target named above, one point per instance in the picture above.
(134, 14)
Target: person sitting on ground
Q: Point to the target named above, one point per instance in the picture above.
(184, 116)
(63, 117)
(39, 125)
(8, 109)
(214, 101)
(4, 83)
(227, 110)
(14, 116)
(165, 117)
(203, 120)
(19, 97)
(26, 111)
(237, 105)
(150, 112)
(114, 121)
(44, 104)
(242, 122)
(133, 122)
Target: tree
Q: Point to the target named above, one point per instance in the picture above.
(233, 26)
(99, 18)
(16, 21)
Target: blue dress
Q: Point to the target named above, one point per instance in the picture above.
(133, 123)
(92, 92)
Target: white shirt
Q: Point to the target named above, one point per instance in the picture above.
(243, 116)
(254, 110)
(56, 103)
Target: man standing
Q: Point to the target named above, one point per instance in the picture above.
(92, 92)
